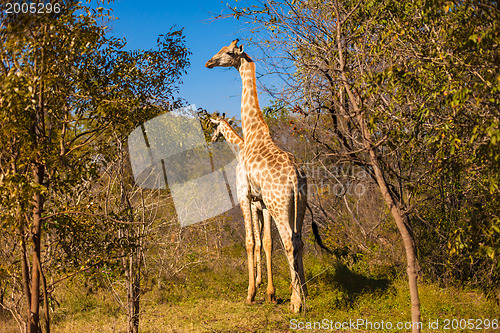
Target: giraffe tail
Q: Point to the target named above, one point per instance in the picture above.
(295, 200)
(315, 231)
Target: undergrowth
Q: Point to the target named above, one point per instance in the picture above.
(210, 297)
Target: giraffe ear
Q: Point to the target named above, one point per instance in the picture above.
(239, 49)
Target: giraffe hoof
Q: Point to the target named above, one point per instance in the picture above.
(272, 299)
(295, 308)
(250, 302)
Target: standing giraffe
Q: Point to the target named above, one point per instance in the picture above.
(272, 176)
(260, 214)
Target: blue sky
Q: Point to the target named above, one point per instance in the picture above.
(140, 22)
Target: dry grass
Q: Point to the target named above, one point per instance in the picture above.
(338, 295)
(209, 296)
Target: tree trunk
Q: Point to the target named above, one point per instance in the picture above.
(25, 272)
(133, 291)
(411, 259)
(379, 177)
(34, 317)
(45, 298)
(38, 133)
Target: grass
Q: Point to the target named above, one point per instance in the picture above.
(210, 298)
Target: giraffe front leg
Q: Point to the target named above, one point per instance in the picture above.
(268, 248)
(250, 244)
(245, 205)
(256, 220)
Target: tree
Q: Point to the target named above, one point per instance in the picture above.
(448, 63)
(65, 86)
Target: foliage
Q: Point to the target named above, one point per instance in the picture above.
(69, 96)
(449, 79)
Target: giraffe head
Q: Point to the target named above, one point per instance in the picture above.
(217, 130)
(228, 56)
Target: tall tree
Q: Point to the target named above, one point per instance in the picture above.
(446, 58)
(65, 85)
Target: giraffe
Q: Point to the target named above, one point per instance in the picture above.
(260, 215)
(272, 176)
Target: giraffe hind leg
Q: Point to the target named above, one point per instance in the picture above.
(283, 225)
(298, 249)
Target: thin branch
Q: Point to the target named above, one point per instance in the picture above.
(107, 217)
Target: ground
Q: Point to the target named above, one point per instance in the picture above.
(340, 296)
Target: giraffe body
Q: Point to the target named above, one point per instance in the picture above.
(272, 176)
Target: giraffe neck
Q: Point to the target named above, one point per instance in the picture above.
(230, 134)
(252, 120)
